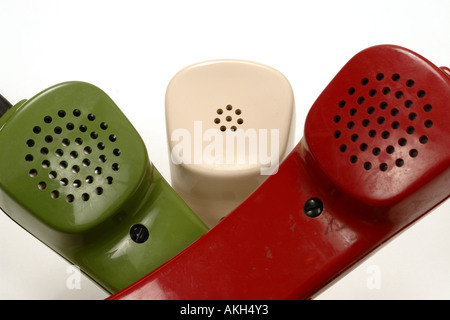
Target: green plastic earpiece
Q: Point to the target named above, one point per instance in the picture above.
(75, 173)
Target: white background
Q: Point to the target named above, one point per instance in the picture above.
(131, 49)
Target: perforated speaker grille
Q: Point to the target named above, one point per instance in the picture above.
(228, 118)
(66, 157)
(382, 122)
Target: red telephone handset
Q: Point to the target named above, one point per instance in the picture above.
(375, 157)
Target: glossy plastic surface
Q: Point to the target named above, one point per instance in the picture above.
(269, 248)
(76, 174)
(218, 113)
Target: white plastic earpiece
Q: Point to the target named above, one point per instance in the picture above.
(229, 125)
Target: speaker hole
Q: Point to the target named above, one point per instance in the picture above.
(65, 142)
(427, 107)
(423, 139)
(30, 143)
(336, 119)
(363, 146)
(408, 104)
(428, 124)
(75, 169)
(45, 164)
(376, 151)
(402, 142)
(337, 134)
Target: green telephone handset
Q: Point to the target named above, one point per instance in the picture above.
(75, 173)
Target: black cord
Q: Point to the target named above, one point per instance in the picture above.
(5, 105)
